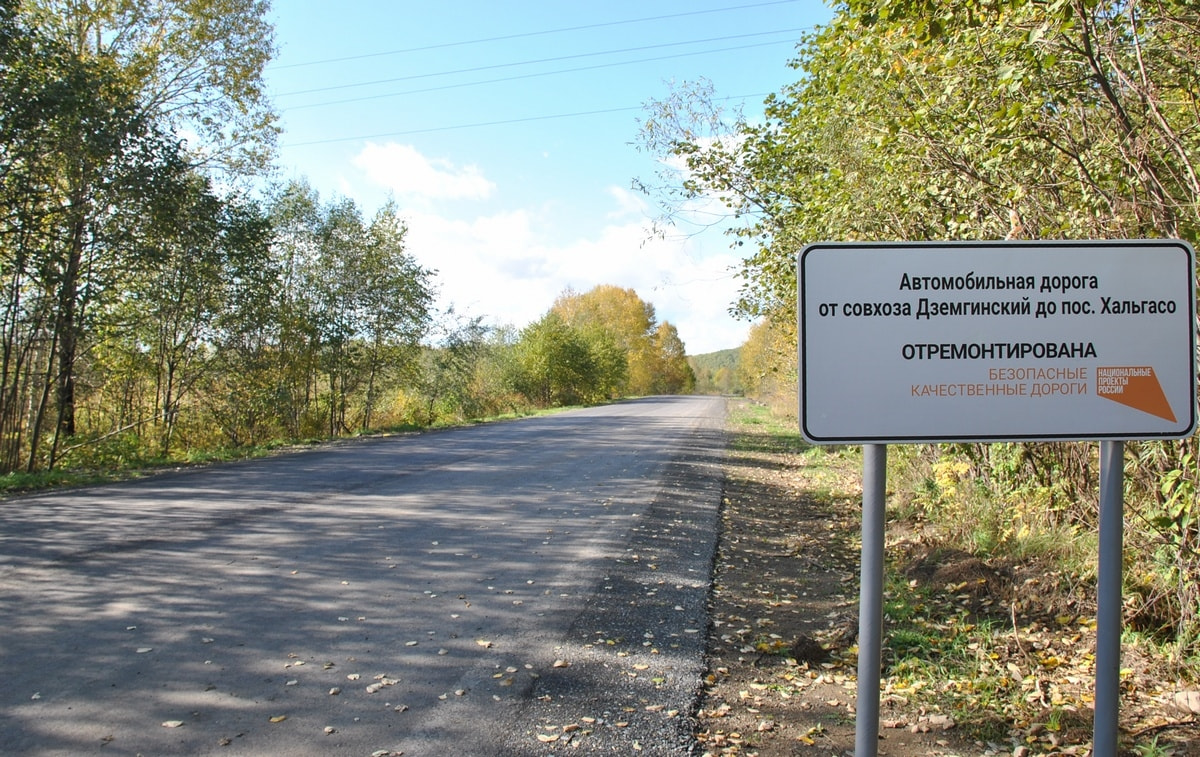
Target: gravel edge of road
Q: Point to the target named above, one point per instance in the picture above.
(634, 673)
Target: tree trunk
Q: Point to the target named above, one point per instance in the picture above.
(67, 327)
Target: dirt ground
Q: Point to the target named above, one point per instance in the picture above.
(782, 653)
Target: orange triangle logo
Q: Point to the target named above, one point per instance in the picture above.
(1135, 387)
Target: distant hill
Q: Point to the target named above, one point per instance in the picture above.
(717, 372)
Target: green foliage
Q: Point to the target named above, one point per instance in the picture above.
(1153, 748)
(149, 310)
(931, 120)
(767, 366)
(716, 372)
(453, 374)
(634, 354)
(952, 121)
(196, 67)
(765, 431)
(110, 452)
(557, 366)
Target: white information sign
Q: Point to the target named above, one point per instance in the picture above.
(997, 341)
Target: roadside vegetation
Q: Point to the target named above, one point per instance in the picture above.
(154, 309)
(588, 348)
(986, 651)
(938, 120)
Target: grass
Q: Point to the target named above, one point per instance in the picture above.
(20, 481)
(757, 429)
(106, 468)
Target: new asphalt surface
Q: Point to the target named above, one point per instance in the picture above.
(520, 588)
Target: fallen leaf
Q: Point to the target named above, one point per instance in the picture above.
(172, 724)
(278, 718)
(1188, 701)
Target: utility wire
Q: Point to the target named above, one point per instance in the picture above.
(500, 80)
(557, 59)
(527, 119)
(531, 34)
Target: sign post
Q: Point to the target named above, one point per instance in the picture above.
(996, 341)
(1108, 600)
(870, 592)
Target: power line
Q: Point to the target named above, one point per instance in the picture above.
(531, 34)
(491, 67)
(520, 77)
(506, 122)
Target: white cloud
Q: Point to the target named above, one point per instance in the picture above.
(505, 265)
(404, 171)
(499, 267)
(629, 204)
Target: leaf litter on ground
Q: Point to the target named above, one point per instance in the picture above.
(979, 658)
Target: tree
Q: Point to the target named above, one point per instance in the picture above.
(354, 306)
(207, 267)
(767, 368)
(370, 305)
(674, 375)
(940, 120)
(83, 173)
(242, 388)
(555, 365)
(196, 66)
(934, 119)
(294, 211)
(450, 367)
(394, 297)
(93, 97)
(619, 323)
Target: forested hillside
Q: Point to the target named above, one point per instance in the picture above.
(717, 372)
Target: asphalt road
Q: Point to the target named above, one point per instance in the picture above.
(520, 588)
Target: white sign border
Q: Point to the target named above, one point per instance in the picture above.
(980, 245)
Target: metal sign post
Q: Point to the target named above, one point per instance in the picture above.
(1108, 599)
(996, 341)
(870, 602)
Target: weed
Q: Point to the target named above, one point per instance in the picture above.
(1153, 748)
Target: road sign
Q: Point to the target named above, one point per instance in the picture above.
(997, 341)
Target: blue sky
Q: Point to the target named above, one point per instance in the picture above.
(505, 131)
